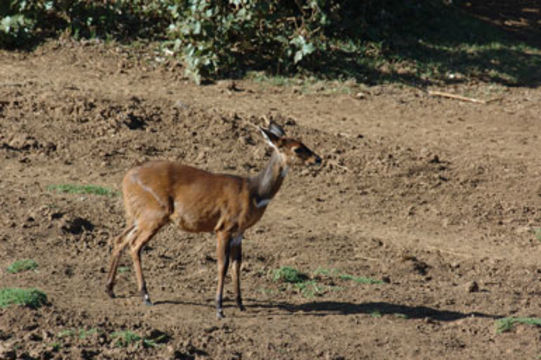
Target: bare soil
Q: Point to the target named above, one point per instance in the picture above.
(439, 199)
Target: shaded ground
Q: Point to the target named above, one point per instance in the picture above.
(439, 199)
(521, 17)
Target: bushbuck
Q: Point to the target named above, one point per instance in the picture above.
(159, 192)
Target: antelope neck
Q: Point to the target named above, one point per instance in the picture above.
(267, 183)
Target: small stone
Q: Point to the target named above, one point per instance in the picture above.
(360, 95)
(472, 286)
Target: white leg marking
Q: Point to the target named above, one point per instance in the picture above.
(132, 231)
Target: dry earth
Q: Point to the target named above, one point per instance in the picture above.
(438, 198)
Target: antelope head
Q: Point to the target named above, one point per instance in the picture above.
(290, 150)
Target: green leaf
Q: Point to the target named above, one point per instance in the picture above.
(176, 46)
(298, 56)
(308, 48)
(197, 28)
(298, 41)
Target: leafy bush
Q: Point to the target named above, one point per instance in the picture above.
(212, 38)
(119, 19)
(22, 22)
(216, 37)
(367, 40)
(18, 20)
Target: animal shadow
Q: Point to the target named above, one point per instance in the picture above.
(324, 308)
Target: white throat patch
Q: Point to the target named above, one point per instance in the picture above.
(262, 203)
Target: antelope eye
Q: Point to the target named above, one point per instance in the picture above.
(299, 150)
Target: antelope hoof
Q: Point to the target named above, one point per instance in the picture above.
(110, 292)
(146, 300)
(241, 307)
(219, 314)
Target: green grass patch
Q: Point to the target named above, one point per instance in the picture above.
(312, 285)
(55, 346)
(80, 333)
(304, 84)
(506, 324)
(401, 316)
(289, 275)
(265, 291)
(326, 272)
(334, 273)
(32, 298)
(123, 338)
(22, 265)
(123, 269)
(127, 337)
(293, 278)
(83, 189)
(360, 279)
(310, 288)
(537, 233)
(66, 333)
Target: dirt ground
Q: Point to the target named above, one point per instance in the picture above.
(439, 199)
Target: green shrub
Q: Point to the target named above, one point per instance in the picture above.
(32, 298)
(18, 19)
(22, 22)
(417, 42)
(216, 38)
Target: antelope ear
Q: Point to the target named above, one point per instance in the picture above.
(270, 137)
(276, 129)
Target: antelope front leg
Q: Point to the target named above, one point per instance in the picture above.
(236, 259)
(222, 253)
(135, 253)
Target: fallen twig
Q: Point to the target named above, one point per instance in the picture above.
(456, 97)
